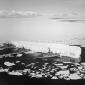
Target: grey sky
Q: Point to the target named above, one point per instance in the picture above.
(43, 5)
(31, 19)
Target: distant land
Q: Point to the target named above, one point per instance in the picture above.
(73, 41)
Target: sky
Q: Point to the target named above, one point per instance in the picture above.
(42, 20)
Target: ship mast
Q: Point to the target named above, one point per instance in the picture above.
(49, 52)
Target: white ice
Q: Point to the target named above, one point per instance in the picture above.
(8, 64)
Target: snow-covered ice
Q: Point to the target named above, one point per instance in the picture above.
(8, 64)
(63, 72)
(15, 73)
(74, 76)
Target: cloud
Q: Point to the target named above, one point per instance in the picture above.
(68, 17)
(3, 13)
(73, 20)
(18, 14)
(63, 17)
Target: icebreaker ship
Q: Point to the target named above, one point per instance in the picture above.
(62, 49)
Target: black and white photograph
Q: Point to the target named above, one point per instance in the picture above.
(42, 42)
